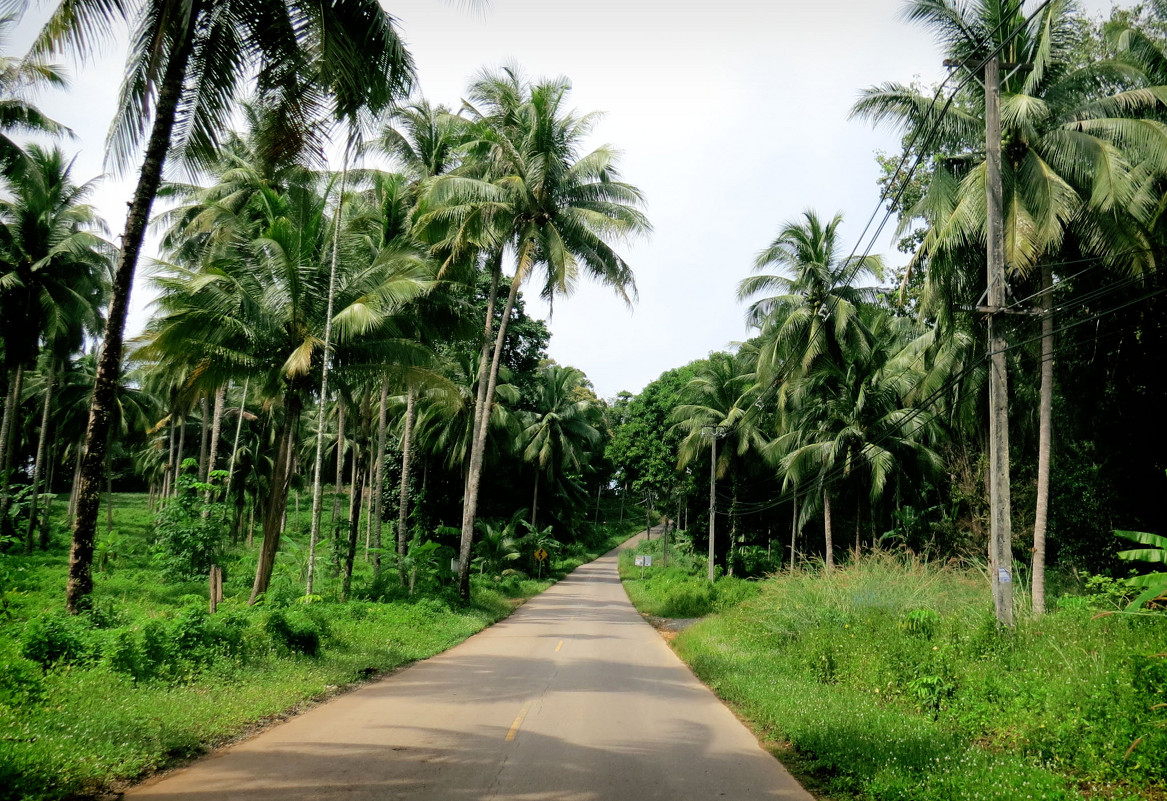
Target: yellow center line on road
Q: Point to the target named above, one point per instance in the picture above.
(559, 646)
(518, 722)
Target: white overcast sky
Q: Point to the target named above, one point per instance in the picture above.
(731, 116)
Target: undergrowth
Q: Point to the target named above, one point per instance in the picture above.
(891, 681)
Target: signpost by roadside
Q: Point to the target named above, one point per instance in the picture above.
(540, 555)
(643, 561)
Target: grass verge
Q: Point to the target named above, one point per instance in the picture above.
(890, 681)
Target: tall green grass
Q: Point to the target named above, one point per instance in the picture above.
(891, 681)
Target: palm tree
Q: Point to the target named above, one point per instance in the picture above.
(257, 305)
(1075, 163)
(808, 312)
(53, 279)
(525, 186)
(19, 77)
(186, 65)
(717, 404)
(562, 427)
(854, 420)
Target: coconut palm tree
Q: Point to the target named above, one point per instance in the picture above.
(562, 427)
(186, 65)
(258, 306)
(853, 420)
(18, 78)
(527, 187)
(54, 274)
(1076, 163)
(718, 404)
(809, 311)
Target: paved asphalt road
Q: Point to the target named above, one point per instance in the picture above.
(572, 698)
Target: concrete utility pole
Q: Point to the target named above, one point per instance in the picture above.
(712, 497)
(1001, 549)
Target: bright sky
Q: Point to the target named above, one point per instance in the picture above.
(731, 116)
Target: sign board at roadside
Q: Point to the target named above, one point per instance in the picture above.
(644, 561)
(540, 554)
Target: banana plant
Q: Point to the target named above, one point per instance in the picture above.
(1152, 586)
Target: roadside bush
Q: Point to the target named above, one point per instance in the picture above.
(21, 682)
(54, 639)
(294, 631)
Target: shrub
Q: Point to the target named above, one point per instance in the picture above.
(293, 630)
(21, 682)
(54, 639)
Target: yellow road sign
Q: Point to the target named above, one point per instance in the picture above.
(540, 554)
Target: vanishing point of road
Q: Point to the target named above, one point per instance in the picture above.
(572, 698)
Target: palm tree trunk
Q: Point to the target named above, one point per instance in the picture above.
(181, 451)
(318, 467)
(403, 500)
(235, 445)
(277, 499)
(353, 528)
(1044, 436)
(204, 428)
(794, 529)
(10, 424)
(10, 441)
(338, 490)
(72, 511)
(858, 513)
(171, 467)
(216, 433)
(44, 524)
(379, 484)
(535, 499)
(481, 424)
(827, 529)
(33, 517)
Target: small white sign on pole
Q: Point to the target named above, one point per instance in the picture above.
(644, 561)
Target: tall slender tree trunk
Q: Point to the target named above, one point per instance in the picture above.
(42, 439)
(216, 433)
(858, 513)
(403, 500)
(80, 583)
(235, 444)
(485, 398)
(379, 484)
(204, 429)
(171, 466)
(318, 466)
(277, 498)
(827, 529)
(45, 523)
(1044, 438)
(181, 454)
(6, 425)
(338, 490)
(794, 529)
(76, 485)
(353, 527)
(10, 442)
(535, 499)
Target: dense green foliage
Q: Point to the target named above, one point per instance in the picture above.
(890, 680)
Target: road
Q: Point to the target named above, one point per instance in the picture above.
(572, 698)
